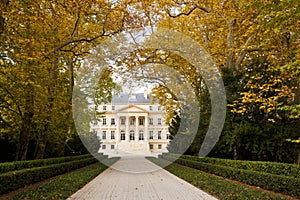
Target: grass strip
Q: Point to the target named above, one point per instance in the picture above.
(65, 185)
(214, 185)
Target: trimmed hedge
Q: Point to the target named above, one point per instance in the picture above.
(18, 165)
(267, 167)
(16, 179)
(215, 185)
(60, 188)
(278, 183)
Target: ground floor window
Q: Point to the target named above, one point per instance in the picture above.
(131, 135)
(151, 146)
(141, 135)
(112, 146)
(122, 135)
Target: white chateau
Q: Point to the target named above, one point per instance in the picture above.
(132, 125)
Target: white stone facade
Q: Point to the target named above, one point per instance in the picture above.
(132, 125)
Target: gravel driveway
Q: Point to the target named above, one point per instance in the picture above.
(136, 178)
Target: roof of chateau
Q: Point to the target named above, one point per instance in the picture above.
(137, 98)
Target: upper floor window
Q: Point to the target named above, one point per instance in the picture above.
(158, 108)
(159, 146)
(104, 135)
(122, 121)
(168, 136)
(141, 120)
(104, 107)
(112, 121)
(112, 135)
(151, 121)
(159, 121)
(113, 108)
(131, 121)
(151, 135)
(159, 135)
(150, 107)
(104, 121)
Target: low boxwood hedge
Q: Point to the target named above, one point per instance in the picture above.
(278, 183)
(18, 165)
(267, 167)
(15, 179)
(215, 185)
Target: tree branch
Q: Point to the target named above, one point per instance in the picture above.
(189, 12)
(76, 24)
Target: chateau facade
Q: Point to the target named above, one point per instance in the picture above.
(132, 125)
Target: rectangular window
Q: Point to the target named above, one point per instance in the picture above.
(112, 121)
(151, 146)
(112, 107)
(103, 146)
(159, 121)
(122, 121)
(151, 135)
(112, 135)
(141, 135)
(104, 121)
(159, 135)
(158, 108)
(131, 135)
(159, 146)
(112, 146)
(150, 107)
(103, 135)
(168, 136)
(141, 120)
(104, 107)
(131, 121)
(122, 135)
(151, 121)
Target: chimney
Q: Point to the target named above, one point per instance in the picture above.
(145, 94)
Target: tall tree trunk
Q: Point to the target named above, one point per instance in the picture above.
(235, 152)
(42, 141)
(2, 20)
(25, 131)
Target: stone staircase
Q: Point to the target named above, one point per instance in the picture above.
(134, 147)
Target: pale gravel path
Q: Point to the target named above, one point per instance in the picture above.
(136, 178)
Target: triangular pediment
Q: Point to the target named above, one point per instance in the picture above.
(132, 109)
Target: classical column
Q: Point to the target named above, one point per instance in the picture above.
(136, 138)
(127, 129)
(146, 129)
